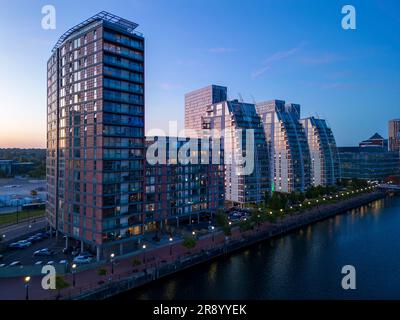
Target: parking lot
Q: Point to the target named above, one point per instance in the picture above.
(25, 255)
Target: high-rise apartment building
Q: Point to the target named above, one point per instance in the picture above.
(95, 134)
(290, 161)
(196, 103)
(241, 132)
(179, 192)
(394, 135)
(323, 151)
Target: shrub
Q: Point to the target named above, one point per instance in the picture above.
(136, 262)
(189, 242)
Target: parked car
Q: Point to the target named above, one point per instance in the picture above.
(82, 259)
(50, 262)
(15, 264)
(63, 262)
(33, 239)
(39, 236)
(52, 233)
(38, 263)
(44, 235)
(69, 250)
(20, 244)
(45, 252)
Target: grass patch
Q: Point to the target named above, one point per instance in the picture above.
(10, 218)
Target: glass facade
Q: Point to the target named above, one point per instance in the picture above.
(176, 191)
(323, 152)
(233, 120)
(372, 163)
(95, 143)
(290, 161)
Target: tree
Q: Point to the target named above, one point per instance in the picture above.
(245, 225)
(221, 219)
(61, 284)
(102, 272)
(278, 200)
(136, 262)
(227, 230)
(267, 197)
(189, 242)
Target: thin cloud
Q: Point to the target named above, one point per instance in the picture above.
(276, 57)
(170, 86)
(331, 85)
(221, 50)
(326, 58)
(260, 72)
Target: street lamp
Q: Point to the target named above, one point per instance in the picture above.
(212, 231)
(193, 233)
(112, 255)
(170, 246)
(26, 280)
(144, 253)
(73, 274)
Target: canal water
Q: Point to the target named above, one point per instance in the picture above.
(305, 264)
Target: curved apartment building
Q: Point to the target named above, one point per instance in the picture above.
(290, 162)
(324, 153)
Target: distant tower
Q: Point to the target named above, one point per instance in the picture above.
(394, 135)
(196, 103)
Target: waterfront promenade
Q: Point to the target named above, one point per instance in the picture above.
(168, 259)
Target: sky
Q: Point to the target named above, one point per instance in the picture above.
(294, 50)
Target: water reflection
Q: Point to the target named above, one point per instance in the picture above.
(302, 265)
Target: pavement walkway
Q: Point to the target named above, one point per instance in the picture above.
(14, 288)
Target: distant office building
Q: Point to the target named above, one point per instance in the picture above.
(196, 103)
(375, 141)
(177, 192)
(394, 135)
(323, 151)
(20, 168)
(245, 182)
(11, 168)
(290, 161)
(6, 168)
(95, 134)
(372, 163)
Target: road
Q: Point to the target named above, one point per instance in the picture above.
(19, 230)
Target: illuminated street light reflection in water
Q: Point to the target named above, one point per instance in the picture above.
(305, 264)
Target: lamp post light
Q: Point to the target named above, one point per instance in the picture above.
(112, 256)
(212, 231)
(144, 253)
(170, 246)
(26, 280)
(230, 223)
(73, 274)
